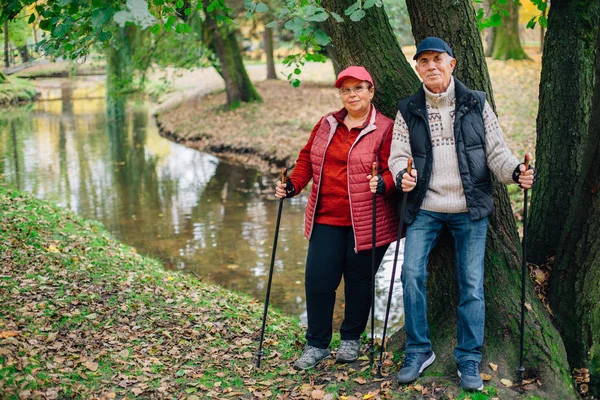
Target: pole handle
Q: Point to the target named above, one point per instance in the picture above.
(409, 166)
(527, 159)
(283, 175)
(374, 169)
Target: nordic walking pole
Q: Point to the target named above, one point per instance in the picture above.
(259, 353)
(523, 275)
(389, 301)
(373, 261)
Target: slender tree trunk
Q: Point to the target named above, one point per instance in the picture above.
(542, 31)
(575, 285)
(455, 22)
(24, 51)
(566, 87)
(119, 74)
(268, 38)
(6, 62)
(507, 43)
(393, 76)
(223, 42)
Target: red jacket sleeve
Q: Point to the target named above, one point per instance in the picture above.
(302, 173)
(384, 156)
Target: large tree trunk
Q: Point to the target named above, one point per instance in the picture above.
(393, 76)
(562, 123)
(454, 21)
(221, 39)
(575, 285)
(268, 38)
(507, 43)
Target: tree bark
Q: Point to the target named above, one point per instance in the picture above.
(507, 43)
(221, 39)
(377, 50)
(566, 87)
(455, 22)
(575, 285)
(268, 38)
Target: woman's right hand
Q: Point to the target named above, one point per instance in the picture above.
(409, 181)
(280, 192)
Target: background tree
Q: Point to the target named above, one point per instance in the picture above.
(566, 87)
(507, 42)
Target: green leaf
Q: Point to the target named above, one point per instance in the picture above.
(320, 17)
(357, 15)
(495, 19)
(31, 18)
(479, 15)
(543, 21)
(542, 6)
(188, 11)
(296, 83)
(261, 8)
(99, 17)
(310, 10)
(170, 22)
(322, 38)
(337, 17)
(271, 25)
(104, 36)
(179, 4)
(501, 2)
(214, 4)
(505, 13)
(353, 8)
(45, 25)
(295, 25)
(297, 71)
(61, 30)
(368, 4)
(158, 2)
(182, 27)
(155, 29)
(531, 23)
(477, 1)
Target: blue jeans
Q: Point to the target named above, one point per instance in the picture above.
(469, 249)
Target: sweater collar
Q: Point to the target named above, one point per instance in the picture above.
(444, 99)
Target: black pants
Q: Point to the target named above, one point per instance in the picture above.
(330, 256)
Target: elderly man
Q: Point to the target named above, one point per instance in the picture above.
(453, 136)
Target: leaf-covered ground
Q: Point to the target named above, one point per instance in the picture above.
(84, 316)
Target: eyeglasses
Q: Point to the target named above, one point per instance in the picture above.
(356, 89)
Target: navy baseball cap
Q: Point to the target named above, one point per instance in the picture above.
(433, 43)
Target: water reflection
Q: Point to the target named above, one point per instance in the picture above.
(186, 208)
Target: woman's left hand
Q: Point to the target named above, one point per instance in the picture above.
(372, 183)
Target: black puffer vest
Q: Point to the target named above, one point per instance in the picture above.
(469, 139)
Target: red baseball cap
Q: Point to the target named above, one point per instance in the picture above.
(356, 72)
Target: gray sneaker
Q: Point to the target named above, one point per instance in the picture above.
(414, 364)
(468, 372)
(311, 357)
(348, 351)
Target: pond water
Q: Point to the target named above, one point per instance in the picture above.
(189, 209)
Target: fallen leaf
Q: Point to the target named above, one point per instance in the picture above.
(418, 388)
(7, 334)
(506, 382)
(52, 249)
(486, 377)
(528, 306)
(360, 380)
(232, 266)
(92, 366)
(317, 394)
(494, 367)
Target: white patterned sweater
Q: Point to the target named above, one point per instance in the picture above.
(445, 193)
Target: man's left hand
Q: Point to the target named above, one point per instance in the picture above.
(526, 178)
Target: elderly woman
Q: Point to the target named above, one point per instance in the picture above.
(338, 157)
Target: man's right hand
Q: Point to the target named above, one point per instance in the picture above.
(409, 181)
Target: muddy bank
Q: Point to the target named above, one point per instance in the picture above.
(267, 135)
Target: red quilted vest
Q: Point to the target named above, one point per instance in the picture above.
(363, 152)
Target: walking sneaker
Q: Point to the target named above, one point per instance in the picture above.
(311, 357)
(348, 351)
(468, 372)
(414, 364)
